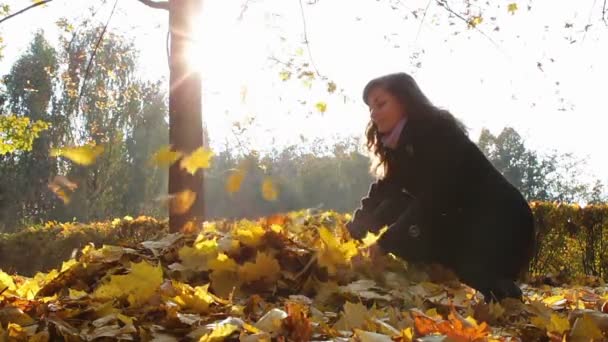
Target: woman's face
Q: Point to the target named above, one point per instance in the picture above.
(385, 110)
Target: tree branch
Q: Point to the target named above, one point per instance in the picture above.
(312, 62)
(90, 63)
(24, 10)
(156, 4)
(444, 4)
(604, 10)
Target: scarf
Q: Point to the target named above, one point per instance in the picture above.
(391, 138)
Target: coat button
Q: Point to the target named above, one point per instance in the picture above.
(414, 231)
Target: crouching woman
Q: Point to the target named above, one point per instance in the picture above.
(443, 200)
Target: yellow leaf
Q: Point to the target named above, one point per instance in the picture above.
(512, 8)
(197, 298)
(407, 335)
(558, 324)
(585, 327)
(182, 201)
(199, 159)
(331, 87)
(197, 258)
(83, 155)
(265, 267)
(321, 106)
(333, 253)
(353, 316)
(165, 156)
(219, 333)
(223, 282)
(6, 282)
(285, 75)
(299, 51)
(75, 294)
(249, 234)
(233, 184)
(223, 263)
(371, 238)
(474, 21)
(138, 286)
(269, 191)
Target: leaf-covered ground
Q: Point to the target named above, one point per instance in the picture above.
(293, 278)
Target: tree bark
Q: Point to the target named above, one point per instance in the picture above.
(185, 117)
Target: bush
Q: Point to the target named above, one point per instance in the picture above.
(572, 241)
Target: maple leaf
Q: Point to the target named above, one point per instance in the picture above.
(138, 286)
(197, 298)
(265, 267)
(512, 7)
(234, 181)
(474, 21)
(321, 106)
(297, 322)
(196, 258)
(199, 159)
(333, 253)
(353, 316)
(83, 155)
(182, 201)
(371, 238)
(585, 327)
(165, 156)
(249, 234)
(269, 190)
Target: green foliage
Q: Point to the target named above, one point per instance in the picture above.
(18, 133)
(573, 240)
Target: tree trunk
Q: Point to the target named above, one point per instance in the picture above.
(185, 117)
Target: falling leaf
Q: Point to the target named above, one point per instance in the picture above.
(234, 181)
(321, 106)
(243, 94)
(265, 267)
(512, 7)
(269, 190)
(199, 159)
(165, 156)
(474, 21)
(299, 51)
(285, 75)
(83, 155)
(138, 286)
(331, 87)
(182, 201)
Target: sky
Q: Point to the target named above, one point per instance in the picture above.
(541, 72)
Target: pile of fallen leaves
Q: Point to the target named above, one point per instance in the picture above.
(295, 277)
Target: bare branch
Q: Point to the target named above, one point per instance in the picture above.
(90, 63)
(444, 4)
(604, 11)
(244, 8)
(422, 21)
(24, 10)
(312, 62)
(156, 4)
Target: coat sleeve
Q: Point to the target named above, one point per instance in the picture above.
(363, 217)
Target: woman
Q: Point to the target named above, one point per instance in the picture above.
(442, 199)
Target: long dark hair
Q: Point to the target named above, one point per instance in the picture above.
(408, 93)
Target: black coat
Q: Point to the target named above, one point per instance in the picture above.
(445, 202)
